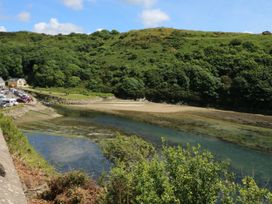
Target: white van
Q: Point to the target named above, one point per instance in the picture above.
(9, 102)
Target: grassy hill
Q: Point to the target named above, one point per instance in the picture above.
(206, 68)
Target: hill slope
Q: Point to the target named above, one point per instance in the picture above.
(226, 69)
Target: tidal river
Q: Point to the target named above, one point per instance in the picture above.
(69, 143)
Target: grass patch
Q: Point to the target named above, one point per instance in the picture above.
(70, 93)
(251, 136)
(19, 146)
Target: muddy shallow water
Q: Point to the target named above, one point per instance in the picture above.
(69, 142)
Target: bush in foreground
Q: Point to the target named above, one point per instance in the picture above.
(178, 175)
(71, 188)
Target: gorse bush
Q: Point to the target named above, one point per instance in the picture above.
(67, 181)
(72, 188)
(179, 175)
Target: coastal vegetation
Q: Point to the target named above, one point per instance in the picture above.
(127, 149)
(212, 124)
(20, 147)
(72, 188)
(36, 173)
(143, 174)
(230, 70)
(249, 130)
(69, 93)
(175, 175)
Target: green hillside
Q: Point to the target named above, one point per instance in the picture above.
(165, 65)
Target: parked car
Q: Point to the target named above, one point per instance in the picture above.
(12, 90)
(10, 102)
(3, 104)
(2, 96)
(22, 100)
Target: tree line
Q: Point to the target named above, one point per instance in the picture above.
(162, 65)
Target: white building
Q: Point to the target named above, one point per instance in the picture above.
(2, 83)
(17, 82)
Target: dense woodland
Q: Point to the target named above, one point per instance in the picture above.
(162, 65)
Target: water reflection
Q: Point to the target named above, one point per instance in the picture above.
(70, 153)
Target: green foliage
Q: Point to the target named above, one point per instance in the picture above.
(178, 175)
(73, 81)
(250, 193)
(165, 65)
(19, 145)
(131, 88)
(127, 149)
(235, 42)
(75, 93)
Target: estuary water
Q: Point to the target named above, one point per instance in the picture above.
(70, 142)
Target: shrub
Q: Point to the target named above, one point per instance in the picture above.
(180, 175)
(71, 188)
(127, 149)
(62, 183)
(235, 42)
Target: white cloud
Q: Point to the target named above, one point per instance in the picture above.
(3, 29)
(24, 16)
(145, 3)
(249, 32)
(74, 4)
(153, 17)
(53, 27)
(100, 29)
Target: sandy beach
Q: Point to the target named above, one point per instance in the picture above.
(130, 105)
(118, 106)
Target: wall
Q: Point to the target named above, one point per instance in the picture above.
(11, 190)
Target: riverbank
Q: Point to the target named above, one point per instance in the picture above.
(250, 130)
(22, 112)
(33, 170)
(39, 178)
(122, 108)
(67, 95)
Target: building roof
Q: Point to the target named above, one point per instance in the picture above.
(15, 79)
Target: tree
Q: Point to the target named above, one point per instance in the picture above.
(73, 81)
(131, 87)
(203, 83)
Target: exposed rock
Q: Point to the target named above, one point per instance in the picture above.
(2, 171)
(36, 192)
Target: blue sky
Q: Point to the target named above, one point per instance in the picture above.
(65, 16)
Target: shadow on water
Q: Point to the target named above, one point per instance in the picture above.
(244, 161)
